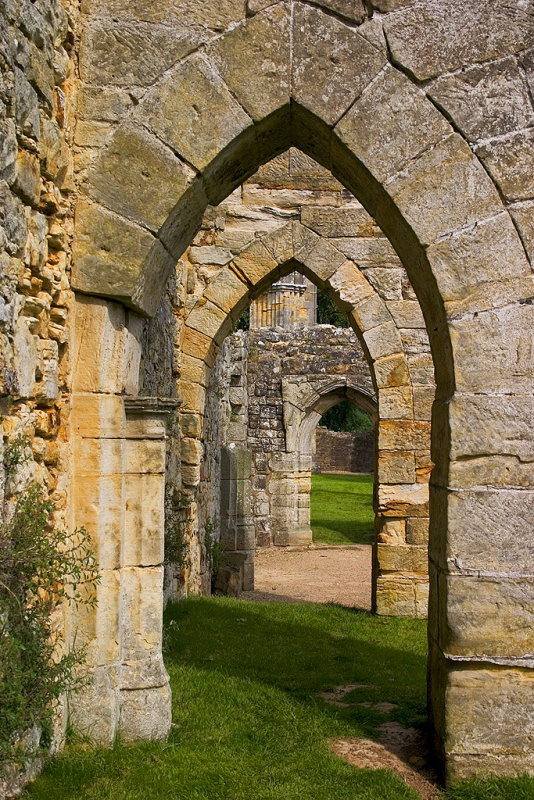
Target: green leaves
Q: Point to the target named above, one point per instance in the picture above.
(40, 568)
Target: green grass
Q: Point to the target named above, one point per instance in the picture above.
(342, 509)
(248, 723)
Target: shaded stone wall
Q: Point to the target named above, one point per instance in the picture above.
(36, 203)
(344, 452)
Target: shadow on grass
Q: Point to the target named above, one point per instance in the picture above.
(332, 530)
(303, 649)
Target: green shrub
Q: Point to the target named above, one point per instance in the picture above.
(40, 568)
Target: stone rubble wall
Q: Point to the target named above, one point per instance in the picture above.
(37, 118)
(344, 451)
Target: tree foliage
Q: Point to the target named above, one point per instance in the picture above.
(328, 313)
(346, 417)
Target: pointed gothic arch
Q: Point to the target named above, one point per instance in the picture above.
(200, 131)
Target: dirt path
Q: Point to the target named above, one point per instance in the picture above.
(323, 575)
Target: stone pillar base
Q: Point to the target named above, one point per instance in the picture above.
(145, 713)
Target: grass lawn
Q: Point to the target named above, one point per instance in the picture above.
(248, 724)
(342, 509)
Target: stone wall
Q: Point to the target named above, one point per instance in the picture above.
(344, 452)
(36, 203)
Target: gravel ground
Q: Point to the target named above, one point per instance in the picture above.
(321, 575)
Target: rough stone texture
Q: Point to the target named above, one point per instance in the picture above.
(325, 49)
(438, 36)
(344, 452)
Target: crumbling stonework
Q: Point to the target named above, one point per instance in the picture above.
(263, 438)
(344, 452)
(424, 112)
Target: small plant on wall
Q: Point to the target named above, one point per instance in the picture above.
(40, 569)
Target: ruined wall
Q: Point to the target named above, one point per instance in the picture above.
(344, 452)
(36, 199)
(246, 424)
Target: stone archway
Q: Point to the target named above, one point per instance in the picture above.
(401, 499)
(381, 136)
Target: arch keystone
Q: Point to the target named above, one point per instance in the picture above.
(332, 63)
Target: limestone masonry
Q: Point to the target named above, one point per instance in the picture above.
(162, 165)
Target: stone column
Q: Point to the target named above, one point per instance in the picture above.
(289, 484)
(119, 481)
(237, 525)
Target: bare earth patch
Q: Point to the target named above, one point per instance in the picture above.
(320, 575)
(401, 750)
(343, 575)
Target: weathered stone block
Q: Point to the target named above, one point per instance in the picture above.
(486, 100)
(391, 371)
(451, 179)
(256, 264)
(8, 150)
(94, 710)
(395, 597)
(191, 450)
(145, 714)
(95, 457)
(332, 63)
(391, 531)
(334, 222)
(386, 281)
(403, 500)
(510, 161)
(25, 358)
(26, 105)
(396, 403)
(99, 505)
(407, 122)
(402, 558)
(370, 313)
(99, 337)
(396, 467)
(226, 290)
(122, 52)
(384, 340)
(192, 111)
(108, 253)
(417, 531)
(497, 523)
(27, 181)
(523, 216)
(144, 456)
(487, 617)
(143, 520)
(127, 173)
(350, 285)
(499, 333)
(254, 60)
(440, 36)
(209, 319)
